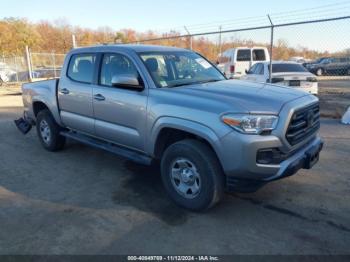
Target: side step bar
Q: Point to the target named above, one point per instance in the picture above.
(110, 147)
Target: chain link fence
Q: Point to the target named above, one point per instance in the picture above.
(305, 42)
(30, 67)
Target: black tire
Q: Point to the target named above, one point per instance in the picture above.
(54, 141)
(211, 189)
(319, 72)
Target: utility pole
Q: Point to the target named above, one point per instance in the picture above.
(220, 41)
(271, 49)
(189, 34)
(29, 64)
(74, 43)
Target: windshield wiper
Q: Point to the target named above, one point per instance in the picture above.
(184, 84)
(209, 81)
(194, 83)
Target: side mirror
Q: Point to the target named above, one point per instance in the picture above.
(127, 81)
(247, 72)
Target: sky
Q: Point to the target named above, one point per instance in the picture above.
(161, 15)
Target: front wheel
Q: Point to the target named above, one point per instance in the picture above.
(192, 175)
(49, 131)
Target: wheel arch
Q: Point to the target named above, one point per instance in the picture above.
(168, 130)
(39, 104)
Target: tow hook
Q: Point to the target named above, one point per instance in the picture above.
(23, 125)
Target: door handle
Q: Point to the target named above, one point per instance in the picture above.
(64, 91)
(99, 97)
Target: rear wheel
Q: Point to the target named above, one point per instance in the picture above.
(49, 131)
(192, 175)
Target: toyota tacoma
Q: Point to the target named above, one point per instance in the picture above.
(166, 105)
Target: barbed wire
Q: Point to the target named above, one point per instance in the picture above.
(324, 11)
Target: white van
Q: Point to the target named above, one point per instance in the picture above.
(234, 62)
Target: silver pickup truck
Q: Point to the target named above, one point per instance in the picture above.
(150, 103)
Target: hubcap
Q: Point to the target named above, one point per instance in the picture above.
(185, 178)
(45, 132)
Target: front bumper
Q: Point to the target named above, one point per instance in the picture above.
(305, 158)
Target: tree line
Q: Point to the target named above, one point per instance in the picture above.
(56, 37)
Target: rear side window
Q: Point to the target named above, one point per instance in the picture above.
(282, 68)
(259, 55)
(243, 55)
(81, 68)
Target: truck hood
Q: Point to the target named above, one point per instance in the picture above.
(239, 96)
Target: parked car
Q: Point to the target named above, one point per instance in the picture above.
(317, 61)
(331, 65)
(298, 59)
(234, 62)
(148, 103)
(5, 73)
(284, 73)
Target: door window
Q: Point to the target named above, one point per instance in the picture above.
(259, 69)
(116, 65)
(259, 55)
(81, 68)
(243, 55)
(252, 69)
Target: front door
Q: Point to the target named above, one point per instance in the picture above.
(120, 114)
(75, 93)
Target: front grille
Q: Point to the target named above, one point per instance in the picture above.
(304, 123)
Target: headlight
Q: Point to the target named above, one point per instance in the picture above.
(251, 124)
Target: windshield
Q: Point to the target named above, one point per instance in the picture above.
(178, 68)
(282, 68)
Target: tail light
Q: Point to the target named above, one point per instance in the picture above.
(232, 69)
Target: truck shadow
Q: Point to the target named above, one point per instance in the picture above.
(143, 190)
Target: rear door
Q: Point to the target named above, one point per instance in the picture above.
(120, 114)
(243, 61)
(75, 93)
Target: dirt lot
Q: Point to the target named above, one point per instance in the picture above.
(334, 97)
(85, 201)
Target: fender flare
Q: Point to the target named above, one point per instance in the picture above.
(52, 106)
(186, 125)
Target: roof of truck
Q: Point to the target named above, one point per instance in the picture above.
(133, 47)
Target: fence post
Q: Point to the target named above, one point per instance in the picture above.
(220, 41)
(271, 49)
(29, 64)
(16, 68)
(74, 43)
(189, 34)
(54, 64)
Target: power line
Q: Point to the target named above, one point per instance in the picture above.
(299, 14)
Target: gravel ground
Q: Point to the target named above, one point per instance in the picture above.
(85, 201)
